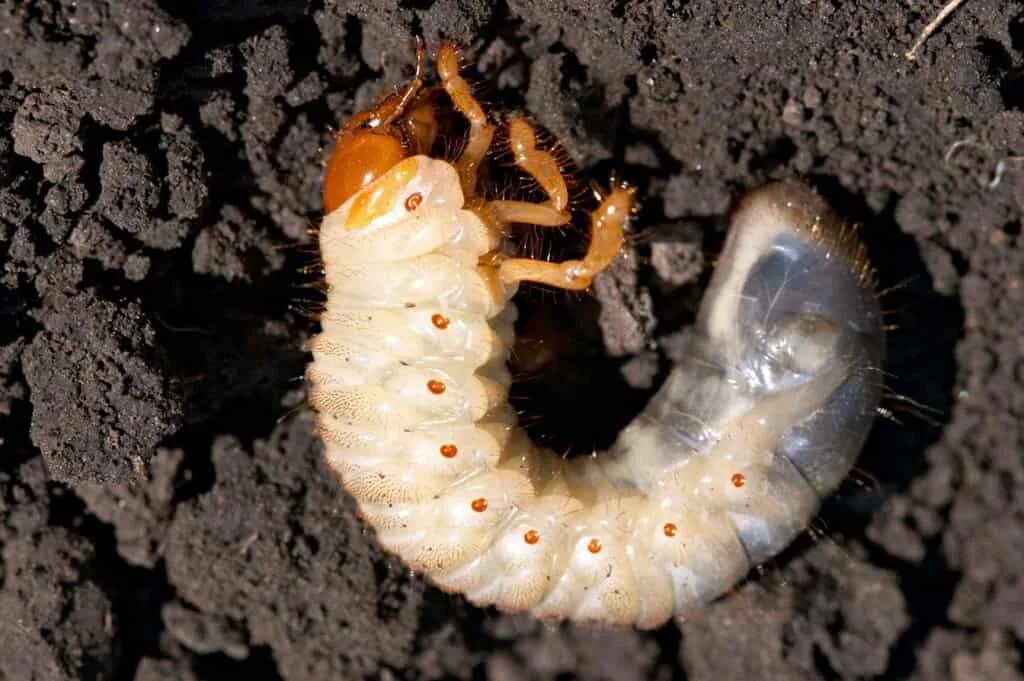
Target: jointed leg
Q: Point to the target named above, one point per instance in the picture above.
(393, 106)
(607, 224)
(414, 87)
(527, 213)
(542, 166)
(480, 131)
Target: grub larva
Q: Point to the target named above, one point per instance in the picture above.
(725, 466)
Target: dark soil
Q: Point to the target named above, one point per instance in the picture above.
(164, 513)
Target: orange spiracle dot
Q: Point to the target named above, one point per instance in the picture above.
(670, 529)
(413, 201)
(449, 450)
(479, 505)
(531, 537)
(594, 546)
(440, 321)
(436, 387)
(738, 480)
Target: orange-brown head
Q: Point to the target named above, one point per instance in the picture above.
(373, 141)
(359, 157)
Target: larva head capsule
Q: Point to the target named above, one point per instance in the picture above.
(359, 157)
(374, 141)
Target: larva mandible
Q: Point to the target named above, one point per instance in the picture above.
(724, 467)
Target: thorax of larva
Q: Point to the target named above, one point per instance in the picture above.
(415, 208)
(410, 230)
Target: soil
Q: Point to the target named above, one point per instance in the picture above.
(164, 512)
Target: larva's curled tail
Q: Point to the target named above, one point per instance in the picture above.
(783, 374)
(724, 467)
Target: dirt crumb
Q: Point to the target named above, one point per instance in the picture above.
(296, 570)
(100, 395)
(57, 620)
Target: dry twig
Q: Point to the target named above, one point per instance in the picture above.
(948, 9)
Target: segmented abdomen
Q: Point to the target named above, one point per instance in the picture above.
(725, 466)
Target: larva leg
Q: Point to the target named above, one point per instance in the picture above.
(524, 212)
(393, 106)
(414, 87)
(607, 225)
(480, 131)
(542, 166)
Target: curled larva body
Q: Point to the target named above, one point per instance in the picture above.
(725, 466)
